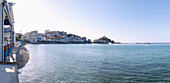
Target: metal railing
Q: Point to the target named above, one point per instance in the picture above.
(7, 50)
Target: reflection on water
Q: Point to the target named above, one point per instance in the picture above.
(96, 63)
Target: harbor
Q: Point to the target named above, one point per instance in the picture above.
(84, 41)
(96, 63)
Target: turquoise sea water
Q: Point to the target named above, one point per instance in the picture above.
(53, 63)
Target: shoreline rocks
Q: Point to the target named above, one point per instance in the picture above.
(22, 56)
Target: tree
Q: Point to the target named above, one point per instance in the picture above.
(19, 36)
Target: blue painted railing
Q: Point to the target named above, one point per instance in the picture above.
(8, 49)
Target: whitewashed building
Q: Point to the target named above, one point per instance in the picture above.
(47, 31)
(41, 37)
(33, 36)
(25, 37)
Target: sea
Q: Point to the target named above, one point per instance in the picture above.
(96, 63)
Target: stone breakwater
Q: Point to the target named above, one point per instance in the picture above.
(22, 56)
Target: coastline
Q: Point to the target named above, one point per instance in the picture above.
(84, 58)
(23, 55)
(80, 43)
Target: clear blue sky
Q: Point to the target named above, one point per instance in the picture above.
(120, 20)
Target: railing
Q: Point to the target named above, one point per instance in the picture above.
(7, 49)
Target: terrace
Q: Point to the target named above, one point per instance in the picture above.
(8, 65)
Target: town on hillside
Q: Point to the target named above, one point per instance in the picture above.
(58, 37)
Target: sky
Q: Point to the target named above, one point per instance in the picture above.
(119, 20)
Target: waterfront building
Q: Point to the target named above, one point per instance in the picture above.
(47, 31)
(7, 34)
(41, 37)
(58, 39)
(33, 36)
(8, 68)
(63, 33)
(55, 36)
(48, 35)
(25, 37)
(70, 39)
(7, 27)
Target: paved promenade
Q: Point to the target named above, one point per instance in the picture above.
(9, 69)
(8, 72)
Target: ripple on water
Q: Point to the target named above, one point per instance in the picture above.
(97, 63)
